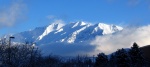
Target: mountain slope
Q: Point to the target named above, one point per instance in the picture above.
(30, 35)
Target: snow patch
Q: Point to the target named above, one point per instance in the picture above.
(80, 23)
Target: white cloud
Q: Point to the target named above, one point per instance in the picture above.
(50, 17)
(123, 39)
(58, 21)
(11, 15)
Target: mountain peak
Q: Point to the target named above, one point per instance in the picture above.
(107, 29)
(79, 23)
(50, 28)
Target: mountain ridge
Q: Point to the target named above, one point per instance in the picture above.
(68, 33)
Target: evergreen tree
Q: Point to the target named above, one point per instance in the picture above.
(112, 60)
(135, 53)
(122, 58)
(101, 60)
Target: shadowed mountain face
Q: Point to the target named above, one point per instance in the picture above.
(146, 52)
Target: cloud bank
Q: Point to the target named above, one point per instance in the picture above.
(123, 39)
(12, 14)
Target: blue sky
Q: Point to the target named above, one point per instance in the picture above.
(29, 14)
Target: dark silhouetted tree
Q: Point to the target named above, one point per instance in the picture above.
(101, 60)
(122, 58)
(135, 53)
(112, 60)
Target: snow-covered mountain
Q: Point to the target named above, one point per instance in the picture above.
(67, 33)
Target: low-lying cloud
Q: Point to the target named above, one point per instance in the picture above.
(12, 14)
(123, 39)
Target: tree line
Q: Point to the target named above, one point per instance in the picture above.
(27, 55)
(132, 57)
